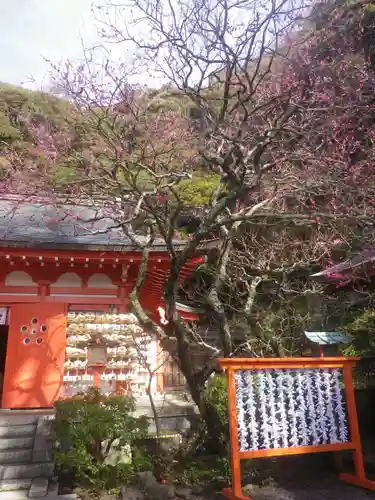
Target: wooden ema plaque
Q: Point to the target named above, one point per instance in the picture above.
(291, 406)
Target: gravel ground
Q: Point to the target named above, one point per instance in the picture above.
(336, 491)
(310, 477)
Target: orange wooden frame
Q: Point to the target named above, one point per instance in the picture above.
(231, 365)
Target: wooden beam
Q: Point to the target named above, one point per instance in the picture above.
(298, 450)
(287, 363)
(82, 255)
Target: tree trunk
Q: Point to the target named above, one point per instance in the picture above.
(179, 330)
(217, 432)
(153, 407)
(214, 426)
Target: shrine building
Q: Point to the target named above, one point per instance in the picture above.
(66, 275)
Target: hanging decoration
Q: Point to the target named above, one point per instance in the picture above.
(292, 386)
(302, 428)
(124, 355)
(274, 402)
(242, 427)
(290, 406)
(265, 428)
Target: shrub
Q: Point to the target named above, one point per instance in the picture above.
(162, 450)
(213, 428)
(8, 132)
(217, 395)
(199, 189)
(203, 471)
(90, 430)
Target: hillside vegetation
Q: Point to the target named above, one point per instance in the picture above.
(45, 136)
(49, 140)
(30, 124)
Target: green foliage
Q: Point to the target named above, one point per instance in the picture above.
(217, 395)
(22, 112)
(16, 103)
(362, 328)
(4, 165)
(88, 428)
(64, 174)
(82, 141)
(8, 133)
(199, 189)
(161, 450)
(167, 100)
(216, 422)
(193, 471)
(68, 170)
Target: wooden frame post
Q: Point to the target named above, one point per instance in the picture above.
(359, 478)
(234, 493)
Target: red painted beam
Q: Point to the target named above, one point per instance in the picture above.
(152, 293)
(79, 256)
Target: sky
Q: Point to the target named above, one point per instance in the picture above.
(35, 30)
(32, 30)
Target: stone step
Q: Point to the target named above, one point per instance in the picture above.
(25, 470)
(13, 443)
(18, 419)
(39, 487)
(69, 496)
(16, 456)
(14, 495)
(17, 430)
(15, 484)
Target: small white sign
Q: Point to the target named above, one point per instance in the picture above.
(3, 315)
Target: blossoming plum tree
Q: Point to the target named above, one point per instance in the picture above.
(275, 114)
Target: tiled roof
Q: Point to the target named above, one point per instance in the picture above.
(37, 223)
(354, 263)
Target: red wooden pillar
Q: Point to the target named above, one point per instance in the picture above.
(43, 289)
(123, 291)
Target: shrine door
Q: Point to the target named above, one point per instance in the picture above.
(35, 357)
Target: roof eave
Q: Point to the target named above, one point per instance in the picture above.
(206, 245)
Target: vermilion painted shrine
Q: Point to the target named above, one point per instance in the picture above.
(65, 274)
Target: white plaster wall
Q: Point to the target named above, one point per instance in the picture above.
(100, 280)
(19, 278)
(68, 280)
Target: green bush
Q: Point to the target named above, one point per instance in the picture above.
(202, 471)
(362, 330)
(161, 450)
(213, 427)
(8, 132)
(199, 189)
(217, 395)
(94, 435)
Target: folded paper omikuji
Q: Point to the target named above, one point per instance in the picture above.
(290, 408)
